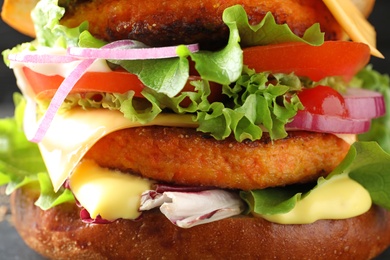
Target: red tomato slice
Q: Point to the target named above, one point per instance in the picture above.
(323, 100)
(333, 58)
(113, 82)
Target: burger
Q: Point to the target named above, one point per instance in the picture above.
(197, 130)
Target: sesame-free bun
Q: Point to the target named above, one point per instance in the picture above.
(60, 234)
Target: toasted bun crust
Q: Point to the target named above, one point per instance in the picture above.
(144, 21)
(59, 234)
(197, 21)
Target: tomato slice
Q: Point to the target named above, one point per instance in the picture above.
(333, 58)
(323, 100)
(113, 82)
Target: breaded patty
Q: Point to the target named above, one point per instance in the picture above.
(185, 156)
(168, 22)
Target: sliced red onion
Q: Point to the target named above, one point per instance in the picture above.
(364, 104)
(34, 57)
(188, 209)
(116, 53)
(328, 124)
(160, 188)
(36, 133)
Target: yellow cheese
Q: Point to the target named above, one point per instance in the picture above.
(338, 198)
(107, 193)
(354, 23)
(72, 134)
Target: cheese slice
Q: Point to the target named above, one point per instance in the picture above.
(72, 134)
(354, 23)
(107, 193)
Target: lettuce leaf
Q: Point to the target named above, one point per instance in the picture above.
(268, 31)
(46, 16)
(21, 162)
(256, 104)
(48, 198)
(17, 156)
(167, 76)
(370, 166)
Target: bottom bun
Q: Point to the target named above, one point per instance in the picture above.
(60, 234)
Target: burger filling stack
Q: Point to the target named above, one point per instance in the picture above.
(201, 129)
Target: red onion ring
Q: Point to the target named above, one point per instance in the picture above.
(328, 124)
(128, 54)
(40, 58)
(364, 104)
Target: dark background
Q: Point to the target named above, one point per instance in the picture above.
(11, 247)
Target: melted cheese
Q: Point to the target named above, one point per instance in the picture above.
(354, 23)
(338, 198)
(107, 193)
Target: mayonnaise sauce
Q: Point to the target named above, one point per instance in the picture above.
(338, 198)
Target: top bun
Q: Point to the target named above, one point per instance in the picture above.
(146, 22)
